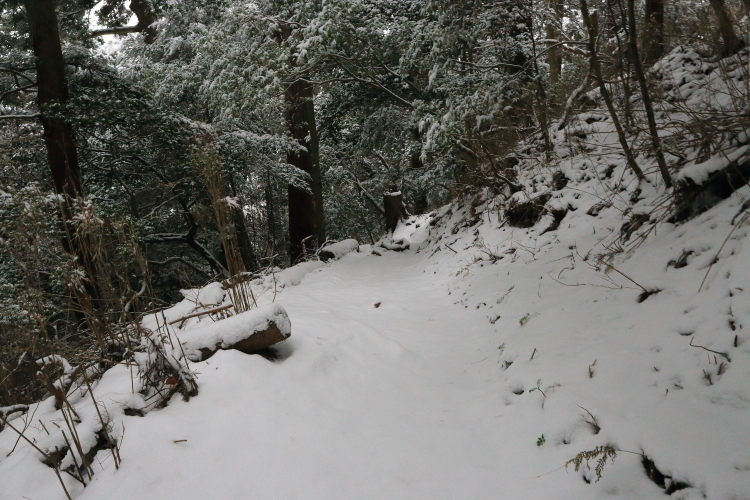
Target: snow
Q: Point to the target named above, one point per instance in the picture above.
(213, 293)
(230, 331)
(337, 250)
(294, 275)
(699, 173)
(429, 395)
(473, 365)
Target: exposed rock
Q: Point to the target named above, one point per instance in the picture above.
(696, 193)
(526, 213)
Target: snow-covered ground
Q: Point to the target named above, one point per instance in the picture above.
(473, 365)
(410, 377)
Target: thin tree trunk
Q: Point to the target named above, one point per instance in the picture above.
(270, 217)
(240, 228)
(653, 35)
(541, 95)
(732, 44)
(632, 38)
(592, 32)
(623, 63)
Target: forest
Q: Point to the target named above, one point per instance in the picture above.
(175, 164)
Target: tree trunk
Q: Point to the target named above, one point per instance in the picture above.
(306, 217)
(554, 54)
(270, 218)
(240, 228)
(632, 39)
(52, 87)
(393, 202)
(59, 138)
(653, 34)
(732, 44)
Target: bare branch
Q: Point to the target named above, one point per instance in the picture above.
(20, 117)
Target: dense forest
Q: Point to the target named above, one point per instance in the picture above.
(153, 146)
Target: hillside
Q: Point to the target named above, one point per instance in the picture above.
(478, 362)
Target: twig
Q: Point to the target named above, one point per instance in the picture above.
(710, 350)
(201, 313)
(593, 421)
(610, 266)
(20, 117)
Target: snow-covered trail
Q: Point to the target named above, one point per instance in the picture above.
(385, 402)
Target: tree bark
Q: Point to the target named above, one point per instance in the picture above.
(52, 87)
(244, 242)
(632, 39)
(306, 216)
(270, 217)
(393, 202)
(732, 44)
(554, 53)
(59, 139)
(653, 35)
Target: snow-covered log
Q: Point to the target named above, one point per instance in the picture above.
(248, 332)
(398, 245)
(337, 250)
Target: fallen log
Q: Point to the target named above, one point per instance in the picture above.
(248, 332)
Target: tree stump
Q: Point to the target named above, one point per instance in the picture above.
(393, 202)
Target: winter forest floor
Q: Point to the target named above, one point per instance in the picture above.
(416, 398)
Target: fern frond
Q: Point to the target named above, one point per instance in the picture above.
(600, 454)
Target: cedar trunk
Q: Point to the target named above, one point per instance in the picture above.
(306, 217)
(653, 35)
(59, 138)
(52, 87)
(554, 54)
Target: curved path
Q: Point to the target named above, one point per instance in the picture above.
(388, 402)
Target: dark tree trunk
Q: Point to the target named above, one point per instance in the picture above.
(243, 236)
(554, 54)
(146, 19)
(653, 35)
(306, 217)
(52, 88)
(520, 32)
(732, 44)
(59, 138)
(393, 202)
(270, 217)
